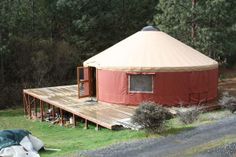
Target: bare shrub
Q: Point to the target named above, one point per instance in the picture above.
(228, 102)
(151, 116)
(189, 115)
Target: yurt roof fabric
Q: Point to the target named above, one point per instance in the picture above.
(151, 51)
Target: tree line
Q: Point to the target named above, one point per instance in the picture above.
(43, 41)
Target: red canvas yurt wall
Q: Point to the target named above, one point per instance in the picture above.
(180, 74)
(170, 88)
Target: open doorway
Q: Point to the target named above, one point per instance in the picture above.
(93, 76)
(87, 82)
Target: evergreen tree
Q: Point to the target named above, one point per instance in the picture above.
(213, 21)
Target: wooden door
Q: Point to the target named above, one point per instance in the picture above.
(84, 81)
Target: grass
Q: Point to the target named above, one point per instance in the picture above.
(71, 140)
(210, 145)
(175, 126)
(201, 148)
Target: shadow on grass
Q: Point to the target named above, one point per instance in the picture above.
(173, 131)
(46, 152)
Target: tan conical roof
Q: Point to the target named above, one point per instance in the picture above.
(151, 51)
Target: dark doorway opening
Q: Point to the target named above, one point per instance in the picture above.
(93, 78)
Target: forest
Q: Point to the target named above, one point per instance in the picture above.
(43, 41)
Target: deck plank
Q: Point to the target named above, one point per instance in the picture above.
(65, 97)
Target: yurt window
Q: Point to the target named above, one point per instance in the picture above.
(139, 83)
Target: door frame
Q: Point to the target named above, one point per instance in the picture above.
(88, 72)
(84, 81)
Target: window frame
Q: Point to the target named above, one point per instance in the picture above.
(145, 92)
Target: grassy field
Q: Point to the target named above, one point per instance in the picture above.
(70, 140)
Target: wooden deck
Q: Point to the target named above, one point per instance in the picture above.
(65, 98)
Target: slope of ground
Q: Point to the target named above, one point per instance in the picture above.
(72, 140)
(190, 143)
(67, 139)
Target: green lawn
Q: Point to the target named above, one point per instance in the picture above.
(70, 140)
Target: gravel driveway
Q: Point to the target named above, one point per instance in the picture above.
(217, 139)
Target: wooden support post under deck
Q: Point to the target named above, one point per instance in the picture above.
(24, 103)
(47, 110)
(35, 108)
(29, 107)
(62, 117)
(97, 127)
(85, 124)
(41, 110)
(74, 120)
(53, 112)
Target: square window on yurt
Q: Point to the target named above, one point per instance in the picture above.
(139, 83)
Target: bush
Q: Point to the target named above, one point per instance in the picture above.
(151, 116)
(228, 102)
(189, 115)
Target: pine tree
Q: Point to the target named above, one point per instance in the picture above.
(207, 25)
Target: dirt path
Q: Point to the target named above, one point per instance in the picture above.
(200, 142)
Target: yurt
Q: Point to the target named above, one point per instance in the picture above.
(150, 65)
